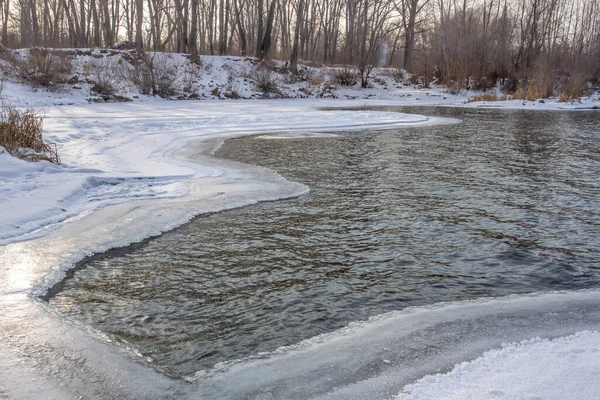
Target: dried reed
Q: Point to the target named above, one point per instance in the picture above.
(21, 135)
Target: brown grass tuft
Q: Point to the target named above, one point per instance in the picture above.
(21, 136)
(564, 97)
(486, 97)
(518, 95)
(315, 81)
(533, 92)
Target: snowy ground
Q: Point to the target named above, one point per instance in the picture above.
(133, 170)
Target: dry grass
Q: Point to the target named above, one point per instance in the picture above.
(315, 81)
(487, 97)
(534, 92)
(564, 97)
(21, 136)
(519, 94)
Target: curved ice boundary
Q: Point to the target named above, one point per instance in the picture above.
(130, 172)
(375, 359)
(117, 153)
(563, 368)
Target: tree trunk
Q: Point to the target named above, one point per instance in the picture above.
(294, 56)
(5, 23)
(265, 46)
(241, 30)
(195, 58)
(259, 28)
(139, 44)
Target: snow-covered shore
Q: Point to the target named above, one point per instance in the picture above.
(133, 170)
(562, 368)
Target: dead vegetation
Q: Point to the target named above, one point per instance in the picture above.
(266, 83)
(346, 76)
(487, 97)
(153, 74)
(43, 67)
(21, 135)
(105, 80)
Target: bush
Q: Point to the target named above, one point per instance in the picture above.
(398, 75)
(265, 82)
(413, 79)
(43, 67)
(453, 87)
(481, 83)
(21, 136)
(154, 74)
(104, 78)
(346, 77)
(304, 74)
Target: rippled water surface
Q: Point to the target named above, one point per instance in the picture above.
(505, 202)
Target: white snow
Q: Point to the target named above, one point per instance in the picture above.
(133, 170)
(563, 368)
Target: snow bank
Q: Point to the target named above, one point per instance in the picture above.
(563, 368)
(226, 77)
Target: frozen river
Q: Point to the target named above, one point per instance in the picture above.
(505, 203)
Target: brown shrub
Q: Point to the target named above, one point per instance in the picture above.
(346, 77)
(21, 135)
(266, 83)
(44, 67)
(154, 74)
(104, 77)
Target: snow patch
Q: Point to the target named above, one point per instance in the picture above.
(562, 368)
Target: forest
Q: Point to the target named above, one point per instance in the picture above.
(479, 44)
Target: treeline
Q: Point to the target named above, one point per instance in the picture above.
(532, 44)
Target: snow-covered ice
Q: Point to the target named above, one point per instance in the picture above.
(118, 152)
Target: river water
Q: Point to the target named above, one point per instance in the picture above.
(505, 202)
